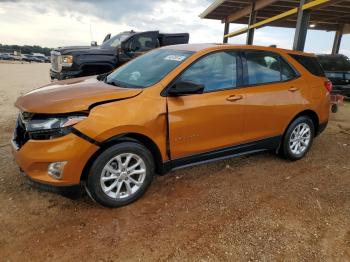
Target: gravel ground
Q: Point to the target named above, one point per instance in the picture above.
(255, 208)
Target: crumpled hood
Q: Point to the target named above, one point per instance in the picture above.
(72, 95)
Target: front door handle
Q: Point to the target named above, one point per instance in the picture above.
(293, 89)
(234, 98)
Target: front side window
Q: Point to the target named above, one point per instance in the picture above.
(148, 69)
(215, 71)
(145, 42)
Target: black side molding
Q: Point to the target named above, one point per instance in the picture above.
(271, 143)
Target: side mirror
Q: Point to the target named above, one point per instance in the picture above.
(93, 43)
(185, 88)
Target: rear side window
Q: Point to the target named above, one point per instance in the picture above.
(286, 71)
(310, 63)
(265, 67)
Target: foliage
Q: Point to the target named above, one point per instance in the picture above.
(25, 49)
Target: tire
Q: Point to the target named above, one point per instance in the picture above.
(334, 108)
(108, 178)
(301, 144)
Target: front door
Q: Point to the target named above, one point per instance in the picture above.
(201, 123)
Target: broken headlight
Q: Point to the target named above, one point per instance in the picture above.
(51, 127)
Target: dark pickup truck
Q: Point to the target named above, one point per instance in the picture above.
(76, 61)
(337, 69)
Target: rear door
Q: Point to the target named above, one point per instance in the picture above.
(204, 122)
(273, 94)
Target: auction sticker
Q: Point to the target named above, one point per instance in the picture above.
(178, 58)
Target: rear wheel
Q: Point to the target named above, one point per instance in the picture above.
(121, 174)
(298, 138)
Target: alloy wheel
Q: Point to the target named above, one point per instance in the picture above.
(123, 175)
(300, 139)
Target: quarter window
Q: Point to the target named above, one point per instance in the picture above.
(216, 71)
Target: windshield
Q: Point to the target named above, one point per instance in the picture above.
(115, 40)
(148, 69)
(335, 63)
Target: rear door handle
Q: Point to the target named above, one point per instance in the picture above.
(293, 89)
(234, 98)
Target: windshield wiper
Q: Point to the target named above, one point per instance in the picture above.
(116, 83)
(103, 76)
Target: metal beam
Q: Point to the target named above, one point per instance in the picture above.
(252, 20)
(278, 17)
(211, 8)
(246, 10)
(337, 39)
(226, 30)
(301, 27)
(346, 29)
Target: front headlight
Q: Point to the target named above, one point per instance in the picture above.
(51, 127)
(52, 123)
(67, 60)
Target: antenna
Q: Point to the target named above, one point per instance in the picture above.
(91, 38)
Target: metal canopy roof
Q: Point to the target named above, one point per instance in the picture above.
(328, 16)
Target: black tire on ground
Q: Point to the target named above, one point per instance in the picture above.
(334, 108)
(93, 182)
(285, 146)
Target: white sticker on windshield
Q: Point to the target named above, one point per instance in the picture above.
(178, 58)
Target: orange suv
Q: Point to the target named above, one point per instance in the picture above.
(173, 107)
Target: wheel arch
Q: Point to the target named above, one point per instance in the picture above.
(128, 137)
(309, 113)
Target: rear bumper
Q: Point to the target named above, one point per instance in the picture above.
(34, 158)
(64, 74)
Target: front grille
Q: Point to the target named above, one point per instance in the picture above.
(56, 64)
(20, 136)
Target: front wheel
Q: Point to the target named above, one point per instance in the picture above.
(298, 138)
(120, 174)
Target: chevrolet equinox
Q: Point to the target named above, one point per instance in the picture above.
(172, 107)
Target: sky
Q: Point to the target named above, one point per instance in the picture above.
(53, 23)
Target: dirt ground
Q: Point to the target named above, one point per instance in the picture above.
(258, 208)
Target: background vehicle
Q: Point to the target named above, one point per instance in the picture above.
(172, 107)
(75, 61)
(337, 69)
(6, 57)
(31, 58)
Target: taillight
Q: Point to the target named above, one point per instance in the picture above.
(328, 85)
